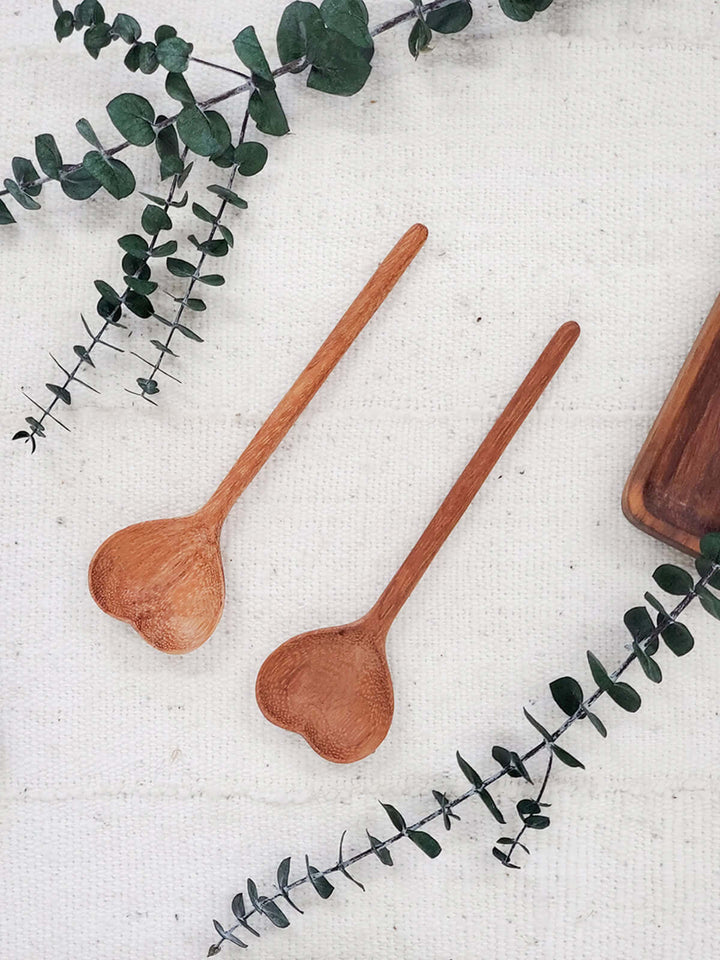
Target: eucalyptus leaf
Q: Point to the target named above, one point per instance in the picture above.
(133, 116)
(710, 547)
(164, 32)
(639, 623)
(180, 268)
(518, 9)
(106, 291)
(151, 388)
(491, 805)
(85, 129)
(154, 219)
(147, 58)
(350, 18)
(267, 112)
(704, 567)
(62, 393)
(547, 737)
(678, 638)
(134, 243)
(673, 579)
(202, 213)
(419, 38)
(228, 195)
(89, 12)
(250, 157)
(597, 723)
(710, 603)
(599, 673)
(338, 66)
(450, 19)
(382, 853)
(177, 87)
(396, 818)
(283, 876)
(166, 249)
(204, 133)
(114, 175)
(187, 332)
(5, 215)
(248, 49)
(64, 25)
(96, 38)
(625, 696)
(20, 196)
(79, 184)
(425, 842)
(212, 279)
(322, 885)
(84, 354)
(138, 304)
(300, 31)
(48, 155)
(26, 175)
(126, 27)
(132, 58)
(649, 667)
(564, 757)
(173, 53)
(567, 694)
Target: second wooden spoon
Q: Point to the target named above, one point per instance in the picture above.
(333, 685)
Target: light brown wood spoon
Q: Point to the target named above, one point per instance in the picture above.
(333, 685)
(165, 577)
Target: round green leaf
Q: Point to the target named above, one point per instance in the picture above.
(173, 53)
(673, 579)
(48, 155)
(450, 19)
(114, 175)
(203, 133)
(154, 219)
(126, 27)
(250, 157)
(133, 116)
(710, 546)
(79, 184)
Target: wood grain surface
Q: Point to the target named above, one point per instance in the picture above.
(673, 491)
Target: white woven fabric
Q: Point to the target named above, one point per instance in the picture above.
(566, 169)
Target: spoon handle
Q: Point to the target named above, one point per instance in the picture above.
(472, 477)
(271, 433)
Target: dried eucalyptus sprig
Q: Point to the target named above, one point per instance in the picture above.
(568, 695)
(331, 43)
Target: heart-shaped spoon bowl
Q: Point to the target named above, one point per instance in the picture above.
(165, 577)
(333, 687)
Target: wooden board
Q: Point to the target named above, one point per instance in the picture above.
(673, 491)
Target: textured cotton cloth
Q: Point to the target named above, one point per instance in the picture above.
(566, 168)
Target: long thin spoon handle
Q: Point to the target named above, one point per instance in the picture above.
(271, 433)
(472, 477)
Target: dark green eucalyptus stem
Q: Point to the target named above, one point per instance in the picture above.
(84, 354)
(150, 380)
(668, 577)
(248, 85)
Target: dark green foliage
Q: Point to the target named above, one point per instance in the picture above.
(26, 175)
(250, 158)
(133, 116)
(382, 853)
(205, 133)
(419, 38)
(79, 184)
(710, 603)
(154, 219)
(710, 547)
(64, 25)
(21, 196)
(567, 694)
(247, 47)
(114, 175)
(96, 38)
(523, 9)
(678, 638)
(396, 818)
(48, 155)
(673, 579)
(622, 693)
(229, 196)
(5, 215)
(177, 87)
(510, 762)
(343, 868)
(126, 28)
(173, 54)
(85, 129)
(266, 906)
(450, 19)
(267, 112)
(282, 877)
(447, 812)
(321, 884)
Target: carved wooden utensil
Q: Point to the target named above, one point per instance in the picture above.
(673, 491)
(333, 685)
(165, 577)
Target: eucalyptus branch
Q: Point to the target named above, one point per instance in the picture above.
(331, 44)
(84, 353)
(148, 385)
(568, 696)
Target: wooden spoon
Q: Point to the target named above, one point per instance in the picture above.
(165, 577)
(333, 685)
